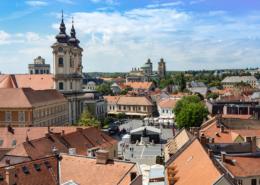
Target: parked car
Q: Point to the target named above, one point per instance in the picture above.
(113, 130)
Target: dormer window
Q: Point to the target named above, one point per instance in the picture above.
(61, 62)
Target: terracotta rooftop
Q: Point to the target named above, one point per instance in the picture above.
(229, 135)
(134, 100)
(19, 134)
(176, 143)
(34, 81)
(27, 97)
(114, 172)
(244, 166)
(41, 172)
(139, 85)
(193, 166)
(81, 140)
(112, 99)
(168, 103)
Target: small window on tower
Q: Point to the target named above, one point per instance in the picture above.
(71, 62)
(60, 62)
(61, 86)
(70, 85)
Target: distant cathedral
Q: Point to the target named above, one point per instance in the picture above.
(67, 72)
(146, 73)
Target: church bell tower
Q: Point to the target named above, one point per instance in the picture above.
(67, 73)
(67, 61)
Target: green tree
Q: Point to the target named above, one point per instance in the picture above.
(121, 116)
(212, 96)
(86, 119)
(105, 89)
(180, 80)
(184, 101)
(190, 112)
(126, 90)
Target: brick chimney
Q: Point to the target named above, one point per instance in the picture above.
(210, 153)
(102, 156)
(203, 140)
(223, 156)
(222, 128)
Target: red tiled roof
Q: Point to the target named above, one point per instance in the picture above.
(229, 135)
(244, 166)
(20, 133)
(134, 100)
(27, 97)
(43, 175)
(34, 81)
(193, 166)
(167, 103)
(81, 140)
(114, 172)
(139, 85)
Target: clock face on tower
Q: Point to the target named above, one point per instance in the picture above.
(60, 49)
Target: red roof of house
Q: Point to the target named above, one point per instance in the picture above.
(114, 172)
(34, 81)
(193, 166)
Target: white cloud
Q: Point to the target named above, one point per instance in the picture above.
(118, 41)
(36, 3)
(158, 5)
(4, 37)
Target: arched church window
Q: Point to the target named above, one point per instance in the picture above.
(61, 86)
(60, 49)
(61, 62)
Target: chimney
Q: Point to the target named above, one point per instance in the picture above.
(210, 153)
(222, 128)
(10, 175)
(133, 175)
(203, 140)
(223, 156)
(63, 132)
(8, 162)
(253, 144)
(102, 156)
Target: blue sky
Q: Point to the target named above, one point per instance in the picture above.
(117, 35)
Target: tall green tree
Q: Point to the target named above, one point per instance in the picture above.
(184, 101)
(190, 112)
(180, 80)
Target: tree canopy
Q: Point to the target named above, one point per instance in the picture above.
(190, 112)
(105, 89)
(86, 119)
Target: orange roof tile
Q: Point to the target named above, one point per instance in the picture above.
(193, 166)
(27, 97)
(114, 172)
(139, 85)
(168, 103)
(41, 176)
(34, 81)
(134, 100)
(112, 99)
(244, 166)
